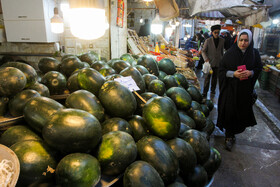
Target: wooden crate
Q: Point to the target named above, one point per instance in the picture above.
(136, 44)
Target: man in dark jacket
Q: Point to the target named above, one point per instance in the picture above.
(145, 29)
(212, 53)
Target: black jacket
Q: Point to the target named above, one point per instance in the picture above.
(235, 111)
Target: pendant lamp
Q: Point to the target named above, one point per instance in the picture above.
(57, 25)
(141, 20)
(168, 30)
(87, 19)
(156, 26)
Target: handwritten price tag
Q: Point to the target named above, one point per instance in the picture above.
(128, 82)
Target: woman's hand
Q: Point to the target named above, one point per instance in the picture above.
(238, 74)
(242, 74)
(246, 74)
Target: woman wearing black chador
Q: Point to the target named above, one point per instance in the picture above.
(238, 72)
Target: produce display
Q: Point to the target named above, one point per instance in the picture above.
(102, 128)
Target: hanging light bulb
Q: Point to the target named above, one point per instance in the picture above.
(141, 20)
(156, 26)
(87, 19)
(177, 23)
(172, 23)
(168, 30)
(275, 21)
(57, 25)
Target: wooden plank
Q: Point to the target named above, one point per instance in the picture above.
(6, 121)
(133, 47)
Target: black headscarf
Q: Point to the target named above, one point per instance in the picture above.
(235, 111)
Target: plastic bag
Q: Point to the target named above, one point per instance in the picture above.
(206, 68)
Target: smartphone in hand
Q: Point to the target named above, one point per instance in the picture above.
(242, 67)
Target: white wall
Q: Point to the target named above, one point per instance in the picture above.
(118, 34)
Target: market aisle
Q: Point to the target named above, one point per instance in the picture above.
(254, 160)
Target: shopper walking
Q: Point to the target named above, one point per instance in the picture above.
(200, 42)
(145, 29)
(235, 110)
(212, 53)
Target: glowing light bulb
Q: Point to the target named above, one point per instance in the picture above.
(57, 25)
(156, 26)
(87, 23)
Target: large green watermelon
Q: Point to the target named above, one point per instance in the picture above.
(141, 69)
(157, 87)
(87, 101)
(141, 173)
(199, 144)
(34, 157)
(3, 105)
(16, 134)
(213, 163)
(78, 169)
(149, 78)
(97, 65)
(47, 64)
(120, 65)
(127, 57)
(185, 154)
(55, 81)
(167, 65)
(17, 103)
(138, 127)
(89, 57)
(170, 81)
(91, 80)
(116, 151)
(27, 70)
(182, 80)
(180, 97)
(117, 99)
(72, 130)
(157, 153)
(162, 117)
(69, 65)
(115, 124)
(195, 94)
(42, 89)
(38, 110)
(197, 178)
(12, 81)
(149, 63)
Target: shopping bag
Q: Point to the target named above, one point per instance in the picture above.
(206, 68)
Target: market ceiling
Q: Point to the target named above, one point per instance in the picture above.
(249, 11)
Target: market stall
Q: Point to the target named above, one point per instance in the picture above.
(84, 109)
(270, 76)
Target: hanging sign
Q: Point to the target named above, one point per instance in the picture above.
(131, 85)
(120, 13)
(128, 82)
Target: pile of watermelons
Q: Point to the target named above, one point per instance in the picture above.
(102, 128)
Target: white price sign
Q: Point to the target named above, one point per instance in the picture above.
(128, 82)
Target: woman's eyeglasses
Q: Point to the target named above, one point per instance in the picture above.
(217, 32)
